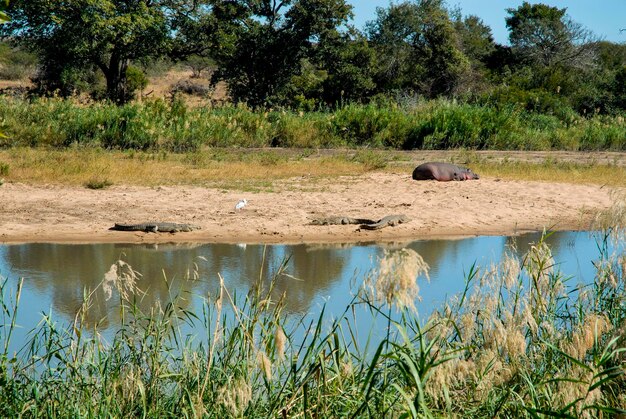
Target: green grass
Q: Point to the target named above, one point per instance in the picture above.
(172, 126)
(522, 340)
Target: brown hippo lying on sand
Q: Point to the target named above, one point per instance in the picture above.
(443, 172)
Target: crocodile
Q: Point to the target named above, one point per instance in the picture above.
(152, 227)
(340, 220)
(390, 220)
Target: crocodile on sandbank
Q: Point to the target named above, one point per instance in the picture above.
(152, 227)
(390, 220)
(340, 221)
(364, 223)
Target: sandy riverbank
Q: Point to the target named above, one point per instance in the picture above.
(33, 213)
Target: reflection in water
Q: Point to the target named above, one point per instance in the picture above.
(57, 276)
(67, 272)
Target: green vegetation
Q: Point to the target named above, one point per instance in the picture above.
(522, 340)
(419, 76)
(158, 125)
(303, 55)
(16, 64)
(98, 183)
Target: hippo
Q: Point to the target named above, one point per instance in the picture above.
(443, 172)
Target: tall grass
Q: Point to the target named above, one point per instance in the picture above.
(172, 126)
(521, 340)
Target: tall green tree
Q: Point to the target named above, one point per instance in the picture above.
(477, 44)
(417, 47)
(261, 44)
(545, 35)
(349, 63)
(338, 71)
(72, 36)
(555, 58)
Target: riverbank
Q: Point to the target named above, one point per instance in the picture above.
(489, 206)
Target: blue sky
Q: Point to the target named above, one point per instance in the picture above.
(604, 17)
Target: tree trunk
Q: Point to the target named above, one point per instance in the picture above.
(116, 79)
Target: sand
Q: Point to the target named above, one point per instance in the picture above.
(489, 206)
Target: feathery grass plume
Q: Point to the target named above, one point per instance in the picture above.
(587, 334)
(574, 390)
(235, 396)
(280, 340)
(122, 277)
(510, 270)
(395, 280)
(448, 376)
(264, 363)
(546, 285)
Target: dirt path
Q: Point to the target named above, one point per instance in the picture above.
(437, 209)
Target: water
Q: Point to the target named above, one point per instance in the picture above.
(57, 276)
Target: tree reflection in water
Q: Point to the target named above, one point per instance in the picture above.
(59, 274)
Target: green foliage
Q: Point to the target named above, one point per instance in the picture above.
(135, 81)
(264, 46)
(15, 63)
(199, 65)
(76, 36)
(4, 169)
(416, 46)
(475, 36)
(544, 35)
(370, 159)
(535, 100)
(158, 125)
(371, 125)
(348, 62)
(619, 88)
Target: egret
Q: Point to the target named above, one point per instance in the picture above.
(242, 203)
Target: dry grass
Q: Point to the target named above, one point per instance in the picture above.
(597, 174)
(226, 170)
(257, 169)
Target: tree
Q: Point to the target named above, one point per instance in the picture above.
(546, 36)
(262, 43)
(348, 62)
(477, 44)
(475, 37)
(418, 48)
(72, 36)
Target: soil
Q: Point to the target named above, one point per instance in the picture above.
(489, 206)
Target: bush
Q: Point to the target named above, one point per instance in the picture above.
(535, 100)
(158, 125)
(136, 80)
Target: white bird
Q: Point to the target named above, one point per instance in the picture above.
(242, 203)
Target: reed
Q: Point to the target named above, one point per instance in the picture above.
(521, 340)
(173, 126)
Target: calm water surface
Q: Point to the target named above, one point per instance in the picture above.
(57, 275)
